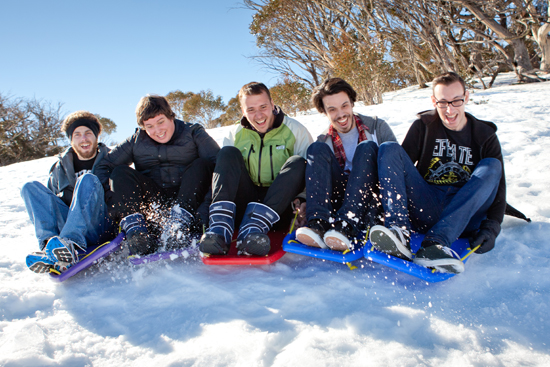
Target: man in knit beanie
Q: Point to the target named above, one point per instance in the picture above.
(70, 213)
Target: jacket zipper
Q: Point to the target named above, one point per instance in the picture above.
(260, 162)
(271, 160)
(249, 153)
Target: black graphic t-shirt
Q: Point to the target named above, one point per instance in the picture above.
(445, 157)
(452, 160)
(82, 167)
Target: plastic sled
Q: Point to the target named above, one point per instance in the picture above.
(461, 246)
(166, 255)
(89, 257)
(232, 258)
(291, 245)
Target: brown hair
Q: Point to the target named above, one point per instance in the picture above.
(151, 106)
(80, 115)
(330, 87)
(448, 78)
(253, 89)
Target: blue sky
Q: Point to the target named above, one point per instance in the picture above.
(103, 56)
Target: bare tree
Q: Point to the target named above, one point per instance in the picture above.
(295, 37)
(29, 129)
(177, 100)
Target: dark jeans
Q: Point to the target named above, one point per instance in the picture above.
(443, 212)
(231, 182)
(331, 192)
(133, 191)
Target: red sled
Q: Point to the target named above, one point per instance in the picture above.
(233, 258)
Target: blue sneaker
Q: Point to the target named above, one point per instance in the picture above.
(62, 250)
(39, 262)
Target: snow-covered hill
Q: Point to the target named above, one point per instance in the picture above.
(300, 311)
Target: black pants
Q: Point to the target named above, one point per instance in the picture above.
(231, 182)
(134, 192)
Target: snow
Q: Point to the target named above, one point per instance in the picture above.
(300, 311)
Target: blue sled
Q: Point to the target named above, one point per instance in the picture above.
(89, 257)
(461, 246)
(291, 245)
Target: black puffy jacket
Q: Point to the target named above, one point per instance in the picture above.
(164, 163)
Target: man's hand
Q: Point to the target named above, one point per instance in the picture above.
(486, 236)
(300, 207)
(109, 197)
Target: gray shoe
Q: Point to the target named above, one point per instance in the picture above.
(393, 241)
(439, 257)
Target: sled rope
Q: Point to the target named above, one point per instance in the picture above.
(350, 266)
(469, 253)
(294, 221)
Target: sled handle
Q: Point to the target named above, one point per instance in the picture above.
(293, 221)
(470, 252)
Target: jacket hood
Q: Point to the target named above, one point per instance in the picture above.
(481, 129)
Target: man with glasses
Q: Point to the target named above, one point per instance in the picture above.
(446, 180)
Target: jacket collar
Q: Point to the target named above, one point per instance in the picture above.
(279, 117)
(481, 129)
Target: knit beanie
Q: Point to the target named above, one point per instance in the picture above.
(89, 123)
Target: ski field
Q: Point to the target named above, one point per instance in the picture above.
(300, 311)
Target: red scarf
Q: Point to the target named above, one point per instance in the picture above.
(339, 151)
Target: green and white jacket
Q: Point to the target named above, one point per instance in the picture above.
(265, 154)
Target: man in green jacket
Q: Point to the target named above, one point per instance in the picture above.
(258, 172)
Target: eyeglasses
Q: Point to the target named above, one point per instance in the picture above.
(445, 104)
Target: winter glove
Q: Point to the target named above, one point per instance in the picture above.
(108, 196)
(486, 236)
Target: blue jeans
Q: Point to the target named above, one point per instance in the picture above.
(442, 212)
(85, 222)
(330, 190)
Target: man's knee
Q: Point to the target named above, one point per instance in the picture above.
(295, 162)
(121, 172)
(31, 188)
(89, 181)
(489, 169)
(317, 148)
(389, 147)
(367, 149)
(229, 154)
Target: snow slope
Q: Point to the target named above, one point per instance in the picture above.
(300, 311)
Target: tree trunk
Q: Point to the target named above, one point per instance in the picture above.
(521, 56)
(543, 40)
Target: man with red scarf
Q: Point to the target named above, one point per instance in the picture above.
(341, 173)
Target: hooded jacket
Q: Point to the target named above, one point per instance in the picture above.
(164, 163)
(62, 178)
(425, 143)
(265, 154)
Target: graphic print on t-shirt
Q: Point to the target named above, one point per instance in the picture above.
(450, 163)
(81, 167)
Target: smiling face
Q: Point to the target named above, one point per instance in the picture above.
(84, 143)
(258, 110)
(160, 128)
(339, 110)
(454, 118)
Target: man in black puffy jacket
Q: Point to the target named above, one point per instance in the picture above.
(173, 163)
